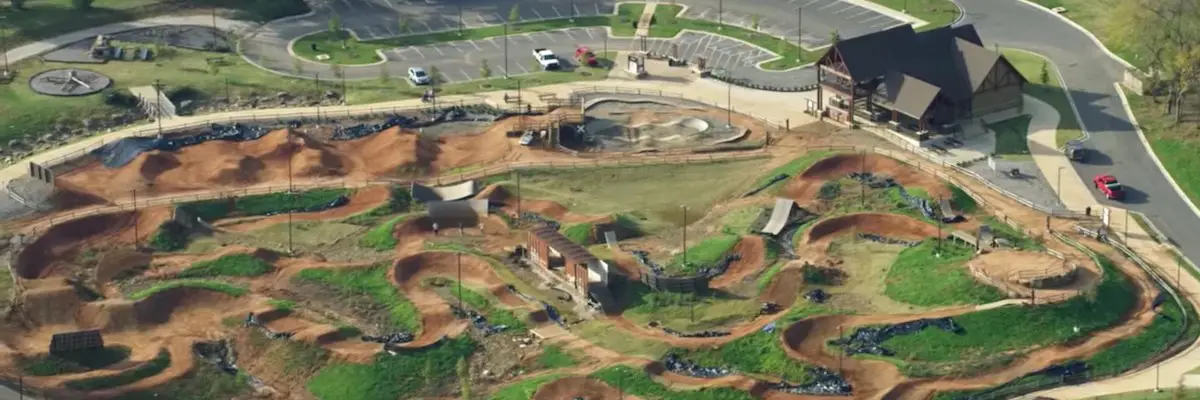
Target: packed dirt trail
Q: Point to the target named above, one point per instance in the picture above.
(752, 250)
(805, 187)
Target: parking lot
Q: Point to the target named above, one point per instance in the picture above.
(373, 19)
(460, 61)
(819, 18)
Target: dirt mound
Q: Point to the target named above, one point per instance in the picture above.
(40, 258)
(413, 227)
(752, 249)
(889, 225)
(577, 387)
(497, 194)
(784, 287)
(68, 196)
(235, 169)
(114, 262)
(436, 319)
(805, 186)
(50, 305)
(147, 168)
(158, 308)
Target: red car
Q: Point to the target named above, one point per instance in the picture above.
(1109, 186)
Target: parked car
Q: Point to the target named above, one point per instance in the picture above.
(418, 76)
(1109, 185)
(547, 59)
(1074, 150)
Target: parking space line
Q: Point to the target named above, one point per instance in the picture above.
(597, 8)
(568, 32)
(465, 74)
(419, 54)
(455, 46)
(439, 50)
(589, 32)
(877, 16)
(523, 70)
(702, 14)
(427, 27)
(830, 5)
(501, 19)
(530, 37)
(809, 3)
(503, 72)
(535, 12)
(575, 9)
(472, 42)
(848, 7)
(864, 11)
(493, 42)
(481, 20)
(556, 11)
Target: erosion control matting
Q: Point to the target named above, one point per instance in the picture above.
(869, 340)
(122, 152)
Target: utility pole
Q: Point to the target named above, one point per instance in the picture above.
(729, 104)
(4, 47)
(939, 222)
(862, 182)
(519, 96)
(158, 115)
(459, 258)
(1126, 226)
(506, 49)
(317, 83)
(291, 194)
(685, 221)
(720, 14)
(799, 31)
(519, 198)
(572, 11)
(460, 23)
(135, 220)
(841, 334)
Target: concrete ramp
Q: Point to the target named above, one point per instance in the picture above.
(427, 194)
(451, 214)
(779, 216)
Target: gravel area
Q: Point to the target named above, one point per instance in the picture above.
(1031, 185)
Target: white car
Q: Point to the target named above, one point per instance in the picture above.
(418, 76)
(547, 59)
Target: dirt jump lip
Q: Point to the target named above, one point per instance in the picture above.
(889, 225)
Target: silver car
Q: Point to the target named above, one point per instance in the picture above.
(418, 76)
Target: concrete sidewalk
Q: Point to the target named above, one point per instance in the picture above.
(1057, 169)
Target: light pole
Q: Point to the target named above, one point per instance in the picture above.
(799, 31)
(572, 11)
(862, 183)
(459, 260)
(841, 334)
(460, 23)
(1058, 185)
(506, 49)
(720, 14)
(939, 222)
(291, 194)
(135, 220)
(4, 47)
(729, 103)
(158, 115)
(317, 84)
(1127, 226)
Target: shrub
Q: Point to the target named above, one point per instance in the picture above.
(830, 190)
(392, 377)
(230, 265)
(170, 236)
(120, 98)
(382, 237)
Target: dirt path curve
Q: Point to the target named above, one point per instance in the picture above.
(753, 250)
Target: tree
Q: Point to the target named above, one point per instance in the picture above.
(298, 66)
(1164, 36)
(464, 377)
(435, 74)
(404, 23)
(834, 37)
(754, 20)
(17, 4)
(1044, 74)
(82, 4)
(335, 25)
(514, 13)
(485, 71)
(384, 74)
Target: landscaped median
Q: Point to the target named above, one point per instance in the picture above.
(343, 49)
(1044, 84)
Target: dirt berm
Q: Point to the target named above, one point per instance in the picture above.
(889, 225)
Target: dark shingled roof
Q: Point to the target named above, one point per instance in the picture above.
(950, 61)
(564, 246)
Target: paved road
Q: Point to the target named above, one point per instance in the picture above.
(1090, 74)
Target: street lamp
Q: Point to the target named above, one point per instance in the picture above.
(572, 11)
(4, 47)
(506, 49)
(720, 14)
(317, 84)
(799, 31)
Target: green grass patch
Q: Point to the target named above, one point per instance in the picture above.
(392, 377)
(205, 284)
(1051, 91)
(485, 304)
(637, 383)
(170, 236)
(282, 304)
(739, 221)
(263, 204)
(1018, 239)
(382, 237)
(203, 382)
(790, 56)
(371, 282)
(606, 335)
(146, 370)
(925, 276)
(706, 253)
(553, 357)
(628, 15)
(1012, 137)
(242, 265)
(937, 13)
(756, 353)
(683, 311)
(73, 362)
(524, 389)
(1174, 144)
(992, 332)
(961, 200)
(580, 233)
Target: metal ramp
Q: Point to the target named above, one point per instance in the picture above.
(779, 216)
(610, 237)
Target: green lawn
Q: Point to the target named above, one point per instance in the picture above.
(1175, 145)
(704, 254)
(675, 310)
(925, 276)
(524, 389)
(579, 233)
(1012, 137)
(628, 15)
(553, 357)
(1005, 231)
(937, 13)
(382, 237)
(204, 284)
(993, 332)
(636, 382)
(483, 303)
(1051, 91)
(230, 265)
(756, 353)
(792, 168)
(1092, 15)
(371, 282)
(392, 377)
(74, 362)
(263, 204)
(203, 382)
(145, 370)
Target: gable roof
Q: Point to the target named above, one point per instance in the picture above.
(951, 59)
(566, 247)
(909, 95)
